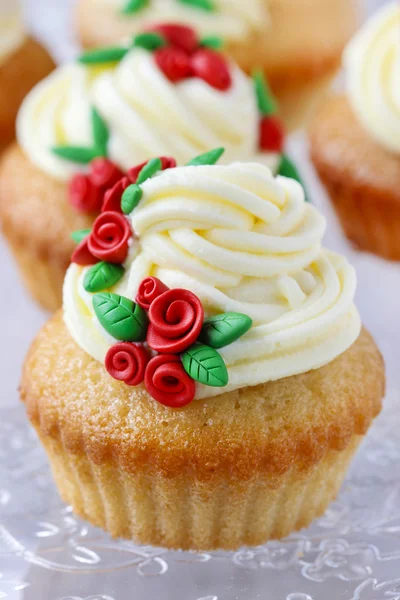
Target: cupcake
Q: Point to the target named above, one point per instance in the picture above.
(208, 381)
(355, 138)
(81, 129)
(23, 62)
(297, 44)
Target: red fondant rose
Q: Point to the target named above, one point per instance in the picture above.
(84, 195)
(112, 197)
(103, 173)
(167, 381)
(181, 36)
(212, 68)
(272, 135)
(176, 318)
(109, 238)
(174, 63)
(149, 290)
(127, 362)
(82, 255)
(167, 162)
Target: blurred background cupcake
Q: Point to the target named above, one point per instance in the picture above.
(23, 62)
(297, 44)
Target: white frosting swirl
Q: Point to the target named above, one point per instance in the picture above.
(147, 115)
(232, 19)
(246, 242)
(372, 61)
(12, 32)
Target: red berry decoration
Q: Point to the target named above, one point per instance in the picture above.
(112, 197)
(167, 381)
(272, 135)
(109, 238)
(212, 67)
(181, 36)
(104, 173)
(167, 162)
(176, 318)
(149, 290)
(84, 195)
(174, 63)
(127, 362)
(82, 255)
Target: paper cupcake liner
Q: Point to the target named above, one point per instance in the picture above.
(185, 513)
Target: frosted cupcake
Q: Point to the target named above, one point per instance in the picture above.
(208, 381)
(79, 131)
(23, 62)
(297, 44)
(355, 138)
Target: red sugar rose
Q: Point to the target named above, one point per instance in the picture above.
(176, 318)
(174, 63)
(167, 162)
(109, 238)
(149, 290)
(272, 135)
(127, 362)
(82, 255)
(167, 381)
(84, 195)
(212, 68)
(181, 36)
(104, 173)
(112, 197)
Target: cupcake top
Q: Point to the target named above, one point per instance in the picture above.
(11, 28)
(166, 92)
(220, 268)
(229, 18)
(372, 62)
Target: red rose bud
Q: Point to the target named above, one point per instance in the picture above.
(82, 255)
(176, 318)
(109, 238)
(212, 68)
(104, 173)
(127, 362)
(167, 162)
(84, 195)
(174, 63)
(181, 36)
(149, 290)
(272, 135)
(167, 381)
(112, 197)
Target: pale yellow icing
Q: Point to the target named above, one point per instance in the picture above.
(146, 114)
(12, 32)
(246, 242)
(372, 62)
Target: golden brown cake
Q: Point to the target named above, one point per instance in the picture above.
(209, 380)
(298, 44)
(110, 117)
(354, 140)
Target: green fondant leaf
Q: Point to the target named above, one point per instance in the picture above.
(149, 170)
(224, 329)
(209, 158)
(287, 168)
(212, 41)
(78, 154)
(267, 104)
(121, 317)
(207, 5)
(149, 41)
(80, 235)
(100, 131)
(131, 198)
(102, 55)
(205, 365)
(102, 276)
(134, 6)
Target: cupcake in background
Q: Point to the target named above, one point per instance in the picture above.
(23, 62)
(168, 92)
(297, 44)
(208, 381)
(355, 138)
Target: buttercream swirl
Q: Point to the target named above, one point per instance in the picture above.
(242, 241)
(372, 61)
(232, 19)
(11, 29)
(146, 114)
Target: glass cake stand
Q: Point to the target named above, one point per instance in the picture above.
(351, 553)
